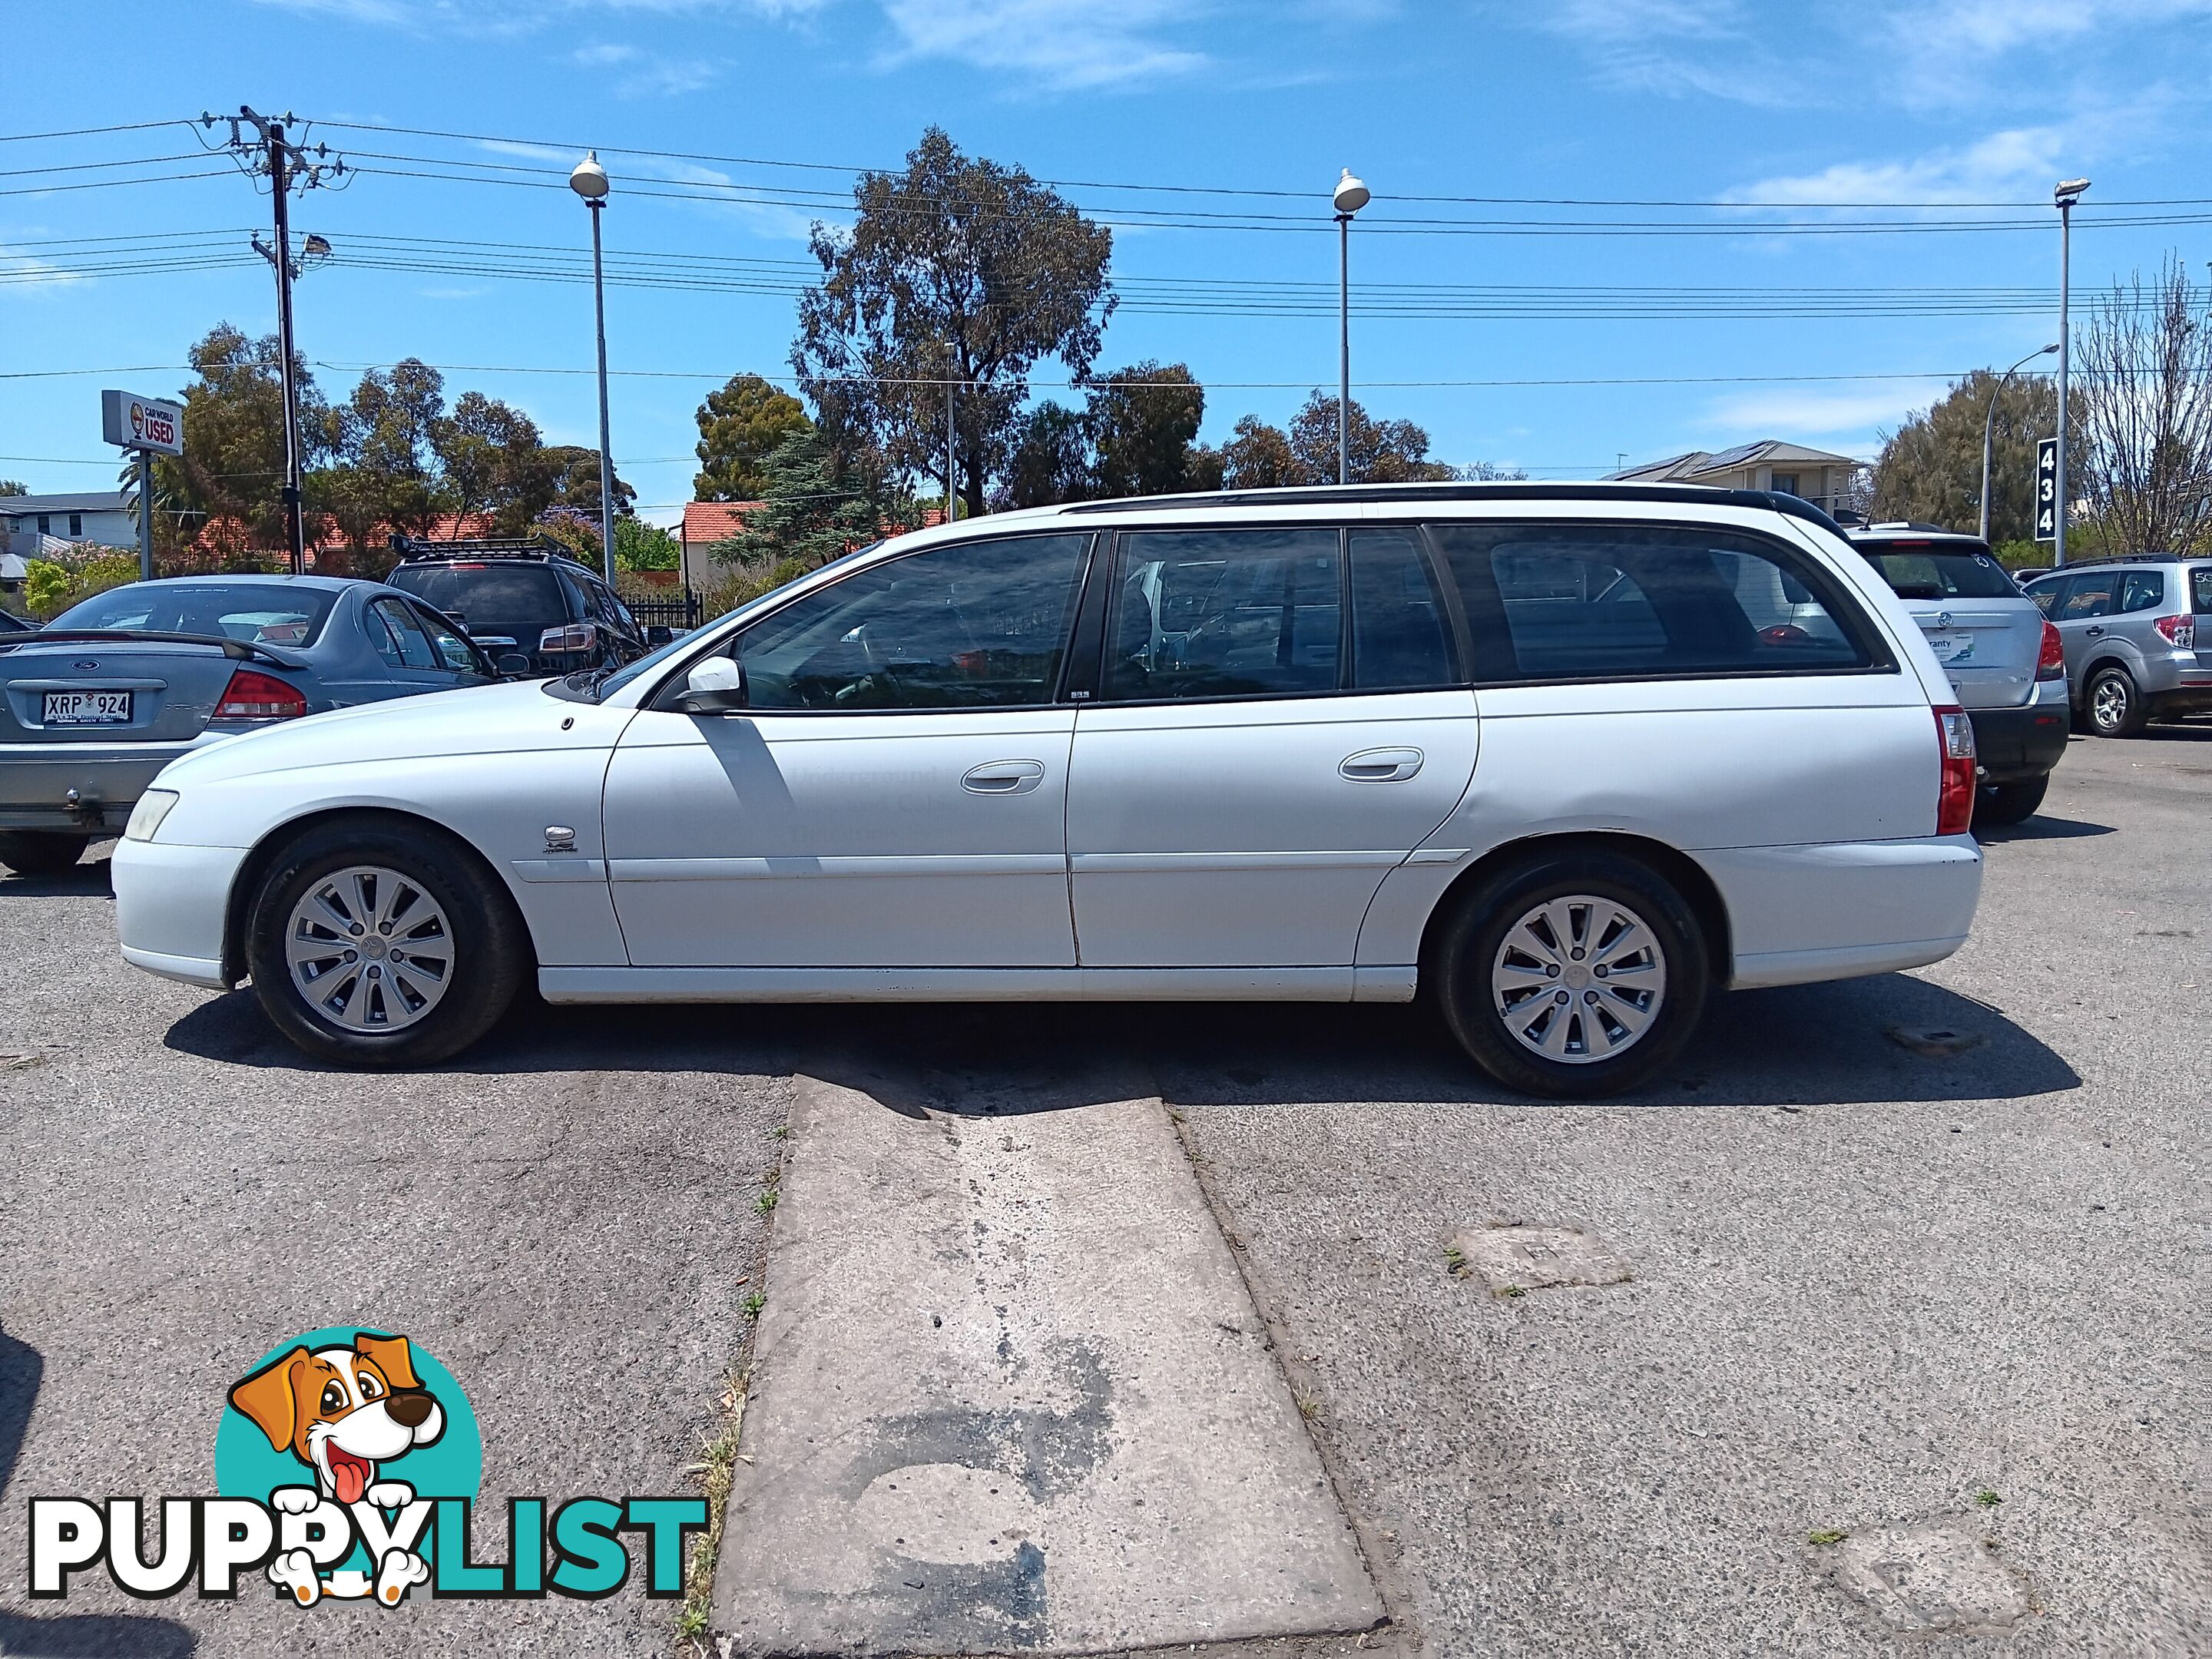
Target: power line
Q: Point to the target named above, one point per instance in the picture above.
(86, 132)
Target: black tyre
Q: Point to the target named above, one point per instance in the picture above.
(1574, 974)
(2115, 707)
(2014, 802)
(376, 944)
(41, 852)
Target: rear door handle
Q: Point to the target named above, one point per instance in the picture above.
(1013, 777)
(1380, 765)
(2092, 633)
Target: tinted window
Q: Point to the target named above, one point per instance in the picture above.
(1398, 636)
(1569, 603)
(1920, 573)
(2046, 594)
(486, 595)
(2200, 588)
(265, 613)
(2142, 590)
(1225, 613)
(452, 651)
(982, 625)
(2088, 595)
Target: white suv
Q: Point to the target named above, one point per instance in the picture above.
(1567, 758)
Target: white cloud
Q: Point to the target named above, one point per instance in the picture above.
(2015, 164)
(1787, 412)
(602, 55)
(1065, 44)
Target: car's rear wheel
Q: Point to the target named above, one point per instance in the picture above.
(1576, 973)
(2014, 802)
(41, 851)
(381, 945)
(2116, 707)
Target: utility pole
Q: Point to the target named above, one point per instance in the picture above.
(288, 167)
(952, 440)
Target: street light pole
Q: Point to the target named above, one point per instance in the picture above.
(589, 181)
(2067, 192)
(1350, 197)
(1988, 423)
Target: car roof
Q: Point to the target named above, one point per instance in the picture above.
(462, 555)
(1444, 494)
(254, 578)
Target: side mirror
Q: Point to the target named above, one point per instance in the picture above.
(513, 665)
(715, 686)
(657, 635)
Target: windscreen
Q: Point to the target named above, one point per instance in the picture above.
(1942, 573)
(487, 592)
(258, 613)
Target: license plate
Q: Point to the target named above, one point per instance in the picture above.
(1952, 647)
(88, 708)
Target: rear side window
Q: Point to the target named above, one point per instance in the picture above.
(398, 636)
(1398, 629)
(2142, 590)
(1552, 602)
(1920, 573)
(1225, 613)
(480, 594)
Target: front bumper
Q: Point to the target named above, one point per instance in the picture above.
(171, 905)
(2022, 743)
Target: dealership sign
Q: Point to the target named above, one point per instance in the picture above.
(135, 423)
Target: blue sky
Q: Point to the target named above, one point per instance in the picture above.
(1942, 105)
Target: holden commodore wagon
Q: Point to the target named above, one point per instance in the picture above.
(1565, 760)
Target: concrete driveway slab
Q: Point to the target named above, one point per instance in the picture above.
(1010, 1394)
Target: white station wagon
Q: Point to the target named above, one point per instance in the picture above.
(1564, 758)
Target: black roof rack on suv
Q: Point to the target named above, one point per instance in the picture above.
(412, 548)
(1327, 495)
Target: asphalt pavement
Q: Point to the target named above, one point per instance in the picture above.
(1880, 1252)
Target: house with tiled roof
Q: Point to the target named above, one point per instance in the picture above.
(1812, 475)
(706, 523)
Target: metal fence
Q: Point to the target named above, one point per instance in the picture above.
(678, 610)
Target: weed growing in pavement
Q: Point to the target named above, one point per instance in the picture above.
(1511, 1290)
(1309, 1407)
(716, 1469)
(1987, 1499)
(1827, 1535)
(753, 1304)
(782, 1131)
(1455, 1261)
(766, 1201)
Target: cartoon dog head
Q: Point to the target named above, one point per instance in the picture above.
(342, 1411)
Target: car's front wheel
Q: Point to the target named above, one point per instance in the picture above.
(1576, 973)
(378, 945)
(41, 851)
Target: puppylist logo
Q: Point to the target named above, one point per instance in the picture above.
(347, 1466)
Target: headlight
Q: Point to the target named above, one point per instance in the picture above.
(146, 816)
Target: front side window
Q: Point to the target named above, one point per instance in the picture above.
(2046, 594)
(1224, 613)
(2142, 590)
(2087, 596)
(1566, 603)
(979, 625)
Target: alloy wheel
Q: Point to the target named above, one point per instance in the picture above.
(369, 949)
(1578, 979)
(2108, 702)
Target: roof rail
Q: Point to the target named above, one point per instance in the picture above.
(534, 546)
(1415, 494)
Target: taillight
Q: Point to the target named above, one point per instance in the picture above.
(2178, 631)
(2052, 663)
(1955, 796)
(254, 696)
(577, 636)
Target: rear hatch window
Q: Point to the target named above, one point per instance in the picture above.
(489, 597)
(1942, 573)
(255, 613)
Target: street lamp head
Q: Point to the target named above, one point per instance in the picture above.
(2068, 190)
(589, 180)
(2048, 350)
(1351, 195)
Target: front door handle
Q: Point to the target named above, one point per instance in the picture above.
(1380, 765)
(1013, 777)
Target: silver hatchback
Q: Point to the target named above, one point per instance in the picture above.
(2136, 642)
